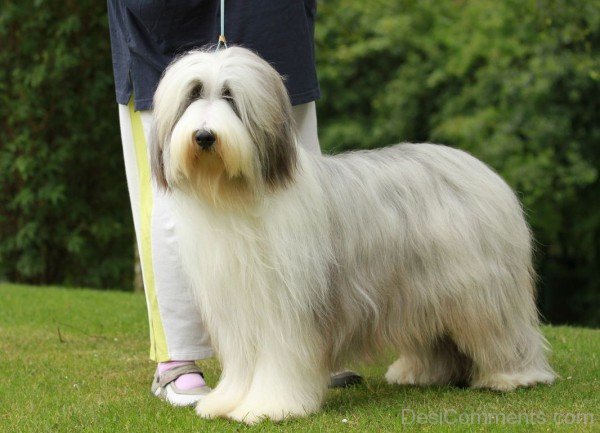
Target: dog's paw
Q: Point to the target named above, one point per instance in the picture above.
(408, 371)
(505, 382)
(247, 415)
(401, 372)
(215, 405)
(254, 413)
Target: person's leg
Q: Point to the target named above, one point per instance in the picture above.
(305, 116)
(176, 332)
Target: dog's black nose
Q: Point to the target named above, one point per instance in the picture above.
(205, 139)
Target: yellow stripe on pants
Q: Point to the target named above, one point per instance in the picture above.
(158, 341)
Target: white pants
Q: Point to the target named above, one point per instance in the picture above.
(176, 332)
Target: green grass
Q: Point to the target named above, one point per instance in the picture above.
(76, 361)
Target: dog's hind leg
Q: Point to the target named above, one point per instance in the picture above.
(438, 363)
(504, 342)
(506, 362)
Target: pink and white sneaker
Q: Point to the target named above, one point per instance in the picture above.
(179, 383)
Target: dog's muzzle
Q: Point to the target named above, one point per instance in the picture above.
(204, 138)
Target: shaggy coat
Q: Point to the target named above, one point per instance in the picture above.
(301, 262)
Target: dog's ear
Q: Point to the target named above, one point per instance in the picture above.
(281, 165)
(272, 127)
(280, 155)
(157, 163)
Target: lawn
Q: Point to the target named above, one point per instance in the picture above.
(75, 360)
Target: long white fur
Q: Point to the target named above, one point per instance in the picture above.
(417, 247)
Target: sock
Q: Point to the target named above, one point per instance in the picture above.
(185, 381)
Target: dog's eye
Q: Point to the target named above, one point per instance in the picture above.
(228, 97)
(196, 92)
(226, 94)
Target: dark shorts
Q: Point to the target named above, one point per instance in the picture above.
(147, 35)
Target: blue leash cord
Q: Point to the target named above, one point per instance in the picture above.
(222, 41)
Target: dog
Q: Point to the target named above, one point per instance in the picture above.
(301, 262)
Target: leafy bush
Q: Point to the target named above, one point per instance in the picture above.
(64, 216)
(514, 82)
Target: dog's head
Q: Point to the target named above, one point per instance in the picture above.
(223, 126)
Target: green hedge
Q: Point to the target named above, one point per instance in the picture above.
(514, 82)
(65, 215)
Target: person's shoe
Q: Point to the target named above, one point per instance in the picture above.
(345, 378)
(165, 386)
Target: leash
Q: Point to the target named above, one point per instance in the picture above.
(222, 41)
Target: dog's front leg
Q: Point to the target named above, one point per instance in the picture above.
(288, 382)
(237, 366)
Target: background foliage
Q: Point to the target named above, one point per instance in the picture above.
(64, 215)
(517, 83)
